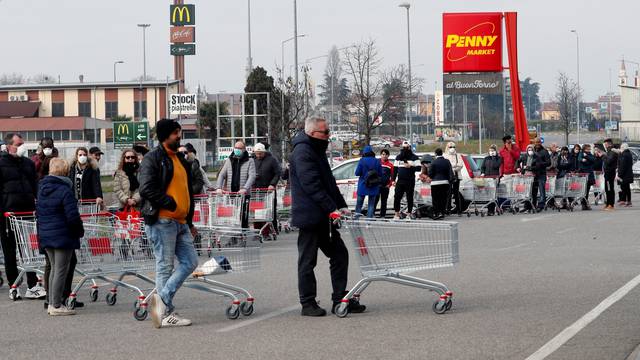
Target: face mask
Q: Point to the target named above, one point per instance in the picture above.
(21, 151)
(82, 159)
(47, 151)
(492, 153)
(237, 152)
(452, 151)
(576, 151)
(530, 152)
(130, 166)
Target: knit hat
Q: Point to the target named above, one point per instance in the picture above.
(190, 148)
(165, 127)
(259, 148)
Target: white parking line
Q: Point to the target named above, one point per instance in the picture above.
(568, 333)
(511, 247)
(259, 318)
(565, 230)
(536, 218)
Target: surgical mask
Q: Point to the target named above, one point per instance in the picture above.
(492, 153)
(237, 152)
(452, 151)
(82, 159)
(47, 151)
(21, 151)
(576, 151)
(530, 152)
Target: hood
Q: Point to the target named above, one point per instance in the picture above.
(52, 183)
(300, 138)
(368, 151)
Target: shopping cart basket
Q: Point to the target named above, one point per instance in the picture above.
(598, 187)
(284, 208)
(226, 209)
(88, 206)
(575, 188)
(484, 190)
(516, 189)
(28, 256)
(261, 212)
(349, 191)
(388, 250)
(201, 208)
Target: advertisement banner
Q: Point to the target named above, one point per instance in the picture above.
(182, 34)
(472, 84)
(438, 112)
(448, 134)
(183, 104)
(472, 42)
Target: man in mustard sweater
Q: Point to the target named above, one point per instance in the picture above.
(167, 208)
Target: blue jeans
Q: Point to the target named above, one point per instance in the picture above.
(371, 205)
(541, 188)
(171, 240)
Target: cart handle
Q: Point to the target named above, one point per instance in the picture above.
(19, 213)
(100, 214)
(87, 201)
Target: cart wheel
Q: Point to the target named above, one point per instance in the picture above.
(287, 230)
(481, 214)
(111, 298)
(477, 212)
(93, 295)
(439, 307)
(140, 314)
(233, 312)
(469, 215)
(342, 310)
(13, 294)
(449, 304)
(71, 303)
(246, 308)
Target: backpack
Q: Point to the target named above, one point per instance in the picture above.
(372, 179)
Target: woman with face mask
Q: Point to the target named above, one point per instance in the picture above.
(456, 164)
(125, 180)
(44, 156)
(84, 176)
(491, 164)
(575, 157)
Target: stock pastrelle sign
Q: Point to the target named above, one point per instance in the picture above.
(472, 42)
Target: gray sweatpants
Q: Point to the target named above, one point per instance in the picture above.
(60, 260)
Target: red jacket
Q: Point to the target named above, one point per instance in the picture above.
(509, 159)
(387, 166)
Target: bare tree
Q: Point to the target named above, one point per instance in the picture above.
(42, 78)
(567, 94)
(395, 90)
(12, 79)
(289, 110)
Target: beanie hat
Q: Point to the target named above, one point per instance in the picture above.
(190, 148)
(165, 127)
(259, 148)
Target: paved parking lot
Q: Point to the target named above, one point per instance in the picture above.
(562, 285)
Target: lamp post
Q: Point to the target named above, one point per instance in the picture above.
(249, 59)
(406, 5)
(282, 92)
(578, 80)
(114, 68)
(295, 45)
(144, 49)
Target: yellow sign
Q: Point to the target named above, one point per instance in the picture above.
(123, 129)
(183, 14)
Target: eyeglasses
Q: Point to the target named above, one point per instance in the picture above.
(326, 132)
(452, 147)
(130, 157)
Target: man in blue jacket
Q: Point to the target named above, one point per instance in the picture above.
(315, 198)
(369, 171)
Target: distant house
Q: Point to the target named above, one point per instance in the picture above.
(550, 111)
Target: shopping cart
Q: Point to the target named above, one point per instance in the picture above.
(349, 191)
(484, 194)
(28, 255)
(516, 189)
(284, 208)
(224, 250)
(550, 191)
(557, 199)
(575, 189)
(261, 212)
(598, 187)
(201, 208)
(388, 250)
(422, 200)
(88, 206)
(225, 209)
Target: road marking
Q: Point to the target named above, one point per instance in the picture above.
(565, 230)
(260, 318)
(603, 219)
(568, 333)
(536, 218)
(511, 247)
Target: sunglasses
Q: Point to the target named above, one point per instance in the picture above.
(452, 147)
(184, 152)
(130, 157)
(326, 132)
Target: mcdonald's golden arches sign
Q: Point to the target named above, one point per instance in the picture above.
(183, 14)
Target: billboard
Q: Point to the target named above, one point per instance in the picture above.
(438, 108)
(472, 42)
(183, 14)
(448, 134)
(183, 104)
(182, 34)
(183, 49)
(472, 84)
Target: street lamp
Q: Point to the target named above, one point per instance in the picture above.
(406, 5)
(144, 50)
(578, 79)
(295, 44)
(282, 92)
(249, 59)
(114, 68)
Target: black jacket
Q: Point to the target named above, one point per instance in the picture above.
(564, 166)
(155, 174)
(267, 171)
(313, 188)
(18, 183)
(90, 186)
(586, 166)
(610, 164)
(625, 166)
(197, 176)
(543, 160)
(440, 169)
(491, 166)
(406, 176)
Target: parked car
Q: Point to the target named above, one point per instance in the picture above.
(380, 143)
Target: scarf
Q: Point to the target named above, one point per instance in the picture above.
(130, 170)
(236, 166)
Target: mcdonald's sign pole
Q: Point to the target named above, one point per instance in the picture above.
(181, 14)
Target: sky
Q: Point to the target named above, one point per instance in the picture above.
(73, 37)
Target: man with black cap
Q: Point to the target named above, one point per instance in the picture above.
(96, 153)
(167, 207)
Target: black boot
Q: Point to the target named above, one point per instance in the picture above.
(311, 308)
(354, 307)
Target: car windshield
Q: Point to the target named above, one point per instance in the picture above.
(345, 171)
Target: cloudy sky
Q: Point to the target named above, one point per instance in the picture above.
(69, 38)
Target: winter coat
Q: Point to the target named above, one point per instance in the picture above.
(121, 189)
(154, 175)
(58, 220)
(586, 166)
(625, 166)
(387, 173)
(553, 158)
(313, 188)
(267, 171)
(42, 163)
(575, 160)
(247, 172)
(367, 163)
(90, 186)
(543, 160)
(610, 164)
(457, 163)
(406, 175)
(197, 176)
(18, 183)
(509, 159)
(491, 166)
(440, 171)
(564, 166)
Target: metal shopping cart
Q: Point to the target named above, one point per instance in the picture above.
(550, 191)
(422, 200)
(284, 208)
(556, 198)
(201, 209)
(516, 189)
(575, 189)
(388, 250)
(225, 209)
(598, 187)
(261, 212)
(484, 194)
(349, 191)
(28, 256)
(89, 206)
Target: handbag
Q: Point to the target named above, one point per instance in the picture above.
(128, 213)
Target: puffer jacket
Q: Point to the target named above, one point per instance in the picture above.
(267, 171)
(586, 166)
(121, 189)
(491, 166)
(247, 172)
(90, 186)
(367, 163)
(58, 220)
(625, 166)
(18, 183)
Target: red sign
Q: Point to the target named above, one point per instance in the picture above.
(182, 34)
(472, 42)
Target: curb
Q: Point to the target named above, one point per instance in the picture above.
(635, 354)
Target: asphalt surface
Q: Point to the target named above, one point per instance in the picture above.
(521, 281)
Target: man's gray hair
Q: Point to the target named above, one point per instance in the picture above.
(311, 123)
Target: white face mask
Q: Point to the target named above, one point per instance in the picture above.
(47, 151)
(82, 159)
(452, 151)
(492, 153)
(530, 152)
(21, 151)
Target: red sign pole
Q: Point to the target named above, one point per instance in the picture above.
(519, 117)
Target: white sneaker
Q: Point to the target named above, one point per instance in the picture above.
(36, 292)
(17, 295)
(61, 311)
(157, 308)
(396, 217)
(175, 320)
